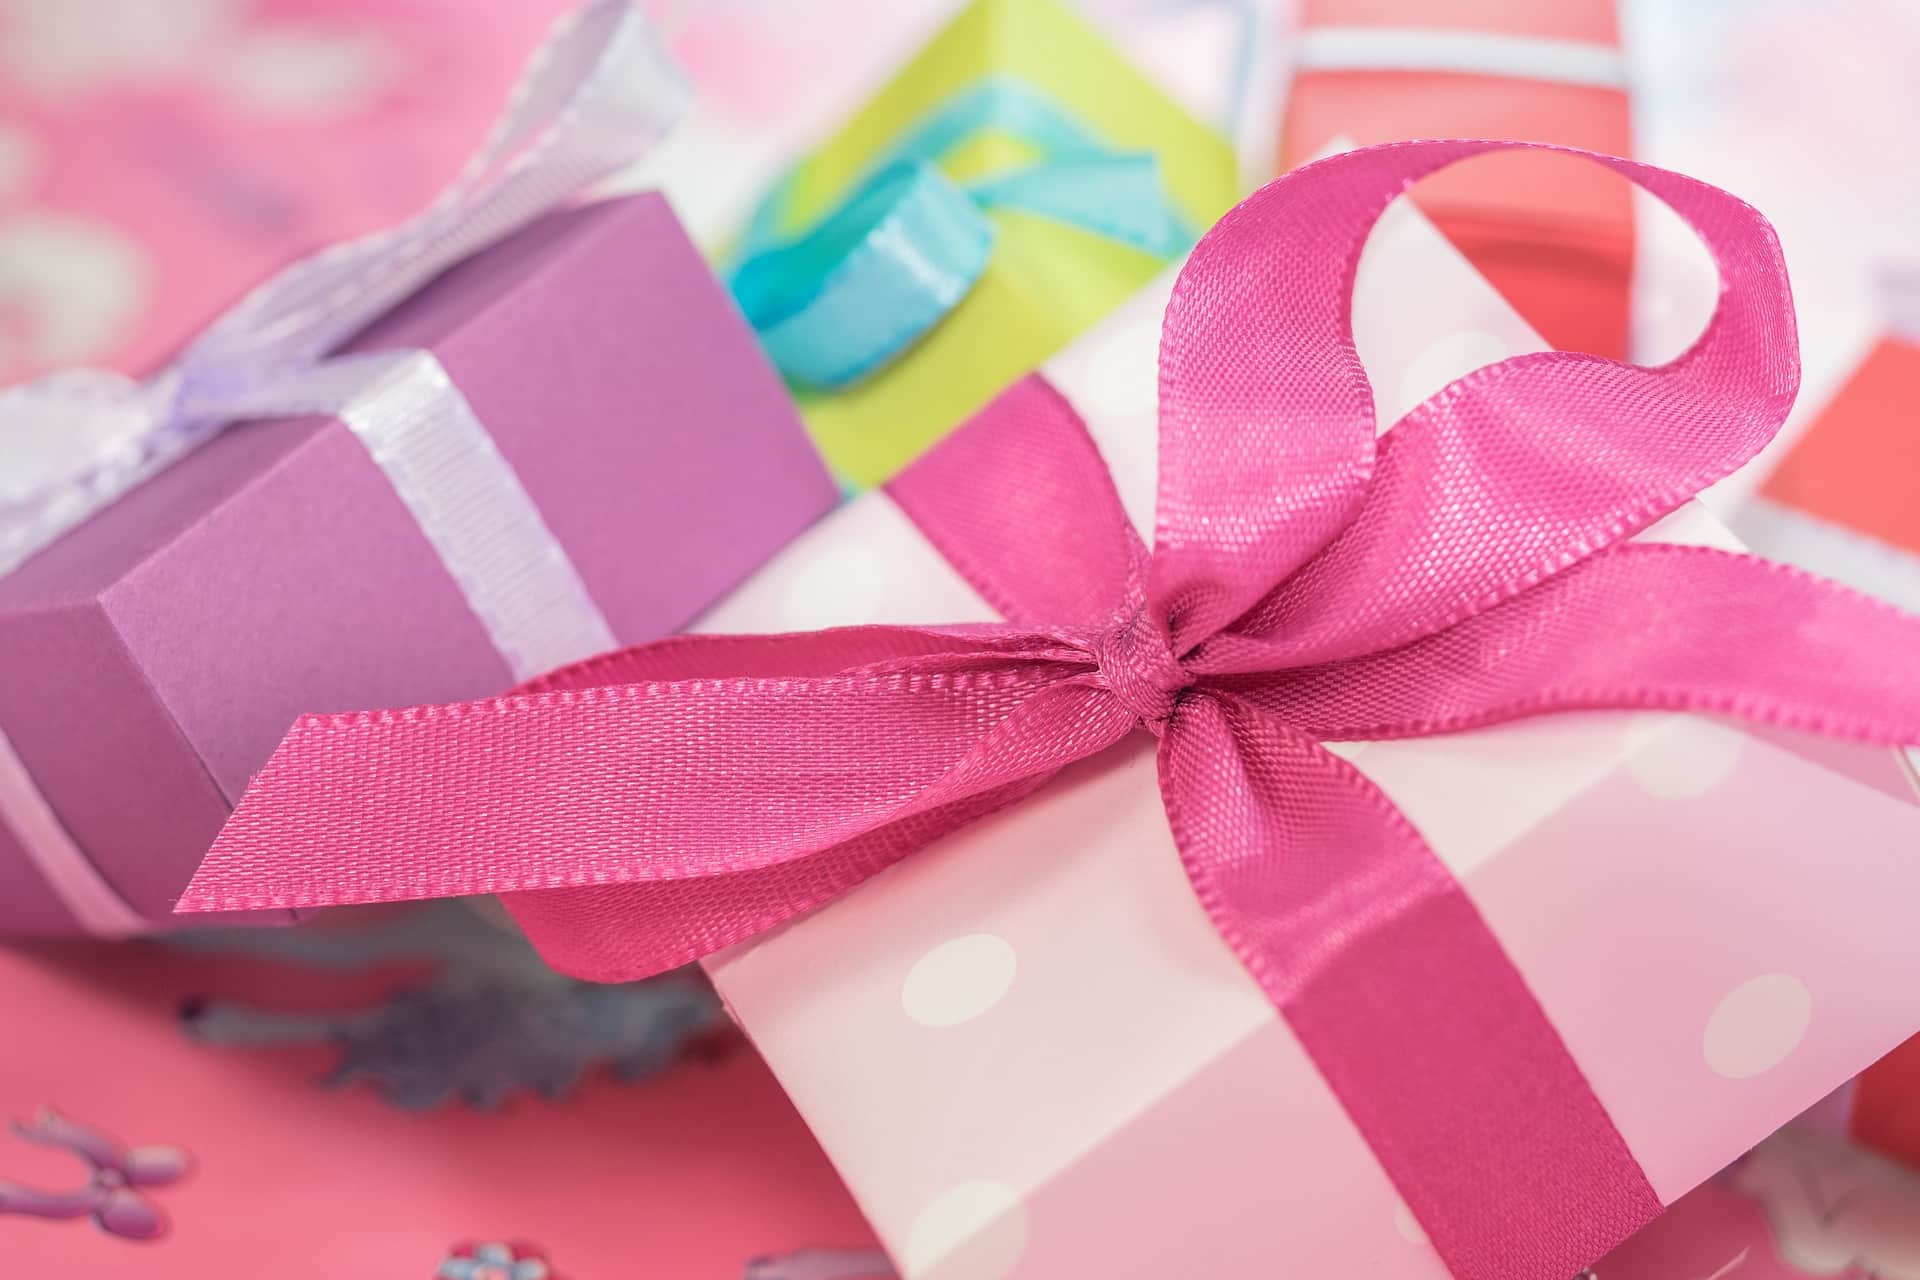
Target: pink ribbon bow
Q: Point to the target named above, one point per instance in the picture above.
(1306, 584)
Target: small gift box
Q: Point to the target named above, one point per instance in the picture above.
(1845, 501)
(505, 469)
(1236, 906)
(1048, 1027)
(1012, 184)
(1555, 238)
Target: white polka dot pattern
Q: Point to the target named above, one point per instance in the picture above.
(1757, 1026)
(77, 284)
(1681, 757)
(298, 70)
(958, 980)
(19, 160)
(975, 1231)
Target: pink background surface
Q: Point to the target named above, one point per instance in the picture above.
(683, 1176)
(166, 157)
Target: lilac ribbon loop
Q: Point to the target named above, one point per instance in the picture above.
(117, 1177)
(1306, 583)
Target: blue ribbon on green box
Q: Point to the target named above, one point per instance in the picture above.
(865, 282)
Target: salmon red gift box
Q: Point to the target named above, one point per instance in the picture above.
(1555, 237)
(1845, 501)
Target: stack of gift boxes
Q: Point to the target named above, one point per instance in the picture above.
(362, 598)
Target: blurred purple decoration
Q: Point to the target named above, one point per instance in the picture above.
(111, 1196)
(482, 1042)
(495, 1261)
(493, 1021)
(237, 197)
(823, 1264)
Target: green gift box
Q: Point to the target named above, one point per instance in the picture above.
(1014, 182)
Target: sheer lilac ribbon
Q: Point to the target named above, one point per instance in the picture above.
(1306, 583)
(596, 96)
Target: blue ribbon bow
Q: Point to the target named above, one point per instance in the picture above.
(867, 281)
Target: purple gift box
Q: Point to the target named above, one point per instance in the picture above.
(152, 657)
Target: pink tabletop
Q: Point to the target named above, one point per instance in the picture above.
(226, 1056)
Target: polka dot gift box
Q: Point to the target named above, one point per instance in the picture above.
(1845, 502)
(1031, 1056)
(1193, 1007)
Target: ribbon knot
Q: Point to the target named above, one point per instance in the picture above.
(1137, 663)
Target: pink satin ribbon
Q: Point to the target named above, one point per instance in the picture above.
(1306, 583)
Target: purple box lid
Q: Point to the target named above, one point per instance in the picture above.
(151, 659)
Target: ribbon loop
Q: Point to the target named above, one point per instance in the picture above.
(1118, 194)
(1648, 626)
(1495, 482)
(869, 281)
(838, 302)
(55, 428)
